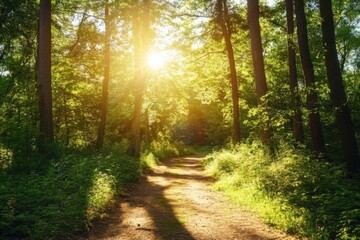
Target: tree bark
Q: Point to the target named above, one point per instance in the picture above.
(309, 78)
(147, 127)
(298, 129)
(44, 76)
(67, 129)
(258, 62)
(141, 41)
(337, 90)
(223, 19)
(105, 89)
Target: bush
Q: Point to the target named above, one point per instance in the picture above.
(65, 199)
(293, 190)
(162, 148)
(6, 156)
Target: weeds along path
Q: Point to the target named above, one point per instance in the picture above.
(176, 201)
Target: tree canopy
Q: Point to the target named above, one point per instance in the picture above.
(79, 75)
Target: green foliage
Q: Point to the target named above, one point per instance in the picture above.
(293, 190)
(100, 194)
(190, 92)
(164, 148)
(76, 189)
(148, 160)
(63, 201)
(6, 156)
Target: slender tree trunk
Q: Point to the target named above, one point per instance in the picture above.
(309, 77)
(298, 130)
(258, 62)
(147, 127)
(146, 37)
(44, 76)
(105, 89)
(139, 86)
(223, 19)
(337, 90)
(66, 119)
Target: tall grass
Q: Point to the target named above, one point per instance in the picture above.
(164, 148)
(293, 190)
(63, 201)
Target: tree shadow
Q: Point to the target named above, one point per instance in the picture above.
(166, 225)
(148, 199)
(155, 212)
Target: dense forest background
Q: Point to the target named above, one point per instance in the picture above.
(120, 84)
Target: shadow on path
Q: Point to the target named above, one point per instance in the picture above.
(146, 209)
(175, 201)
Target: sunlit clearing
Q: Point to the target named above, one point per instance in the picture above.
(156, 60)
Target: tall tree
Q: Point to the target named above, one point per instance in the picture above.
(337, 91)
(309, 78)
(44, 76)
(105, 89)
(223, 20)
(135, 138)
(298, 130)
(258, 61)
(141, 39)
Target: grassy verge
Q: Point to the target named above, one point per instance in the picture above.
(293, 191)
(63, 201)
(157, 151)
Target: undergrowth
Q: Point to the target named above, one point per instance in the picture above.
(63, 201)
(164, 148)
(291, 190)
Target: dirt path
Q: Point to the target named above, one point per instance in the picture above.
(176, 201)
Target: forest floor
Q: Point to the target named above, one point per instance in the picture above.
(176, 201)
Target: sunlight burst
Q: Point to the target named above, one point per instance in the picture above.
(156, 60)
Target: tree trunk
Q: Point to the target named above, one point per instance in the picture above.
(309, 78)
(337, 91)
(258, 62)
(44, 76)
(140, 48)
(298, 130)
(67, 129)
(105, 89)
(224, 22)
(147, 127)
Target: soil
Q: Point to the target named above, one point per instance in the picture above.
(176, 201)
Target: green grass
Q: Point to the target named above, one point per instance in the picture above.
(164, 148)
(62, 201)
(293, 191)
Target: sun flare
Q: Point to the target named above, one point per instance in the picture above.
(156, 60)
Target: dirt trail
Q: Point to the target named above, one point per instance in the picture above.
(176, 201)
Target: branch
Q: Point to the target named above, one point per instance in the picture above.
(205, 55)
(2, 55)
(80, 12)
(73, 46)
(268, 13)
(190, 15)
(273, 22)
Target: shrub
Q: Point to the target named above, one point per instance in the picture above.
(163, 148)
(292, 190)
(65, 199)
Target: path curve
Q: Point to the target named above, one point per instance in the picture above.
(176, 201)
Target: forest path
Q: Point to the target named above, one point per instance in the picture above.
(176, 201)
